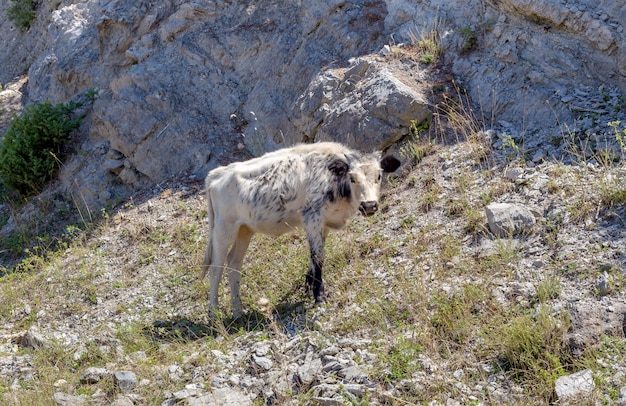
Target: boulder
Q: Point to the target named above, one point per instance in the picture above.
(368, 105)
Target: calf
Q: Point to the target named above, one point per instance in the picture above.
(314, 186)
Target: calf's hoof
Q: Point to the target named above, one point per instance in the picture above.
(320, 299)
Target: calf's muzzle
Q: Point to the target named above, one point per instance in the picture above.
(368, 208)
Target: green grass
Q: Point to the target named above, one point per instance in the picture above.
(22, 13)
(33, 145)
(533, 350)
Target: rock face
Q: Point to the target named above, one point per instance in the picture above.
(185, 86)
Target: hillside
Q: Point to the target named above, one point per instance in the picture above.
(425, 304)
(493, 274)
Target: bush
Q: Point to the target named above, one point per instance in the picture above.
(33, 143)
(22, 13)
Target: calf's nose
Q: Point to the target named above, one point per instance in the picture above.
(368, 208)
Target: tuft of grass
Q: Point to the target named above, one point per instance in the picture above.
(22, 13)
(470, 39)
(416, 147)
(431, 192)
(427, 44)
(533, 350)
(612, 191)
(456, 118)
(399, 360)
(548, 289)
(455, 317)
(605, 360)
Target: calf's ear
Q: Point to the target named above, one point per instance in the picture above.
(338, 168)
(390, 163)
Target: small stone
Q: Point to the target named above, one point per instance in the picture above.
(508, 219)
(355, 389)
(602, 284)
(263, 362)
(93, 375)
(184, 394)
(327, 401)
(32, 339)
(122, 401)
(572, 386)
(353, 374)
(64, 399)
(138, 356)
(223, 397)
(262, 350)
(125, 381)
(514, 173)
(309, 371)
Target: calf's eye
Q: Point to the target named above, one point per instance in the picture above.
(352, 180)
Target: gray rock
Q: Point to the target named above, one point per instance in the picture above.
(221, 397)
(572, 386)
(309, 371)
(514, 173)
(507, 219)
(355, 389)
(93, 375)
(327, 401)
(370, 105)
(33, 339)
(326, 390)
(125, 381)
(122, 401)
(64, 399)
(353, 374)
(264, 362)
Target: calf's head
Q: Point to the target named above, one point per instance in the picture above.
(360, 180)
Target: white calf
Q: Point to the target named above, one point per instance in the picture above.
(316, 186)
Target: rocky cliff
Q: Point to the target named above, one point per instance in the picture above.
(184, 86)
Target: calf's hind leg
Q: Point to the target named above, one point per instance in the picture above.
(235, 260)
(222, 237)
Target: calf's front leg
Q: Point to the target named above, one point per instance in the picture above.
(316, 237)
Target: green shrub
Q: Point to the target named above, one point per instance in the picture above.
(33, 143)
(22, 13)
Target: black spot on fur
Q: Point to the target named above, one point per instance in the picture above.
(344, 188)
(338, 168)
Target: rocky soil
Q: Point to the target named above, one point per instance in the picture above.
(123, 275)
